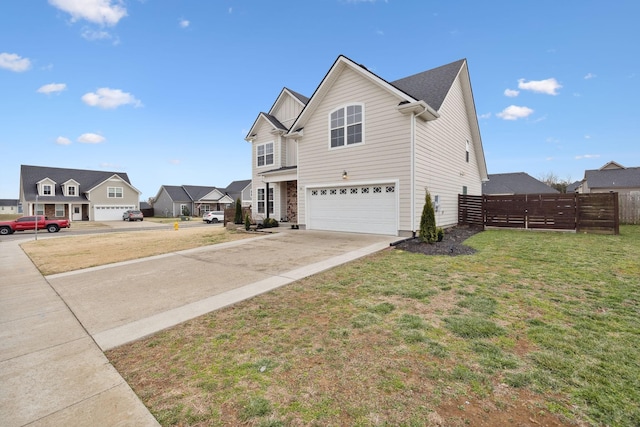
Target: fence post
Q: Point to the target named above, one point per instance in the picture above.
(616, 213)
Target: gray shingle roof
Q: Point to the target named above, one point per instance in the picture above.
(300, 97)
(275, 122)
(177, 193)
(432, 85)
(237, 186)
(31, 175)
(9, 202)
(515, 183)
(197, 192)
(612, 178)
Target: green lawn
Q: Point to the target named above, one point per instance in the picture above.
(535, 326)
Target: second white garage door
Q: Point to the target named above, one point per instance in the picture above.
(358, 208)
(109, 213)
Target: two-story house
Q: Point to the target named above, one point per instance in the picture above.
(361, 152)
(76, 194)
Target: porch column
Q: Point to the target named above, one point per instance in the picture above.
(266, 197)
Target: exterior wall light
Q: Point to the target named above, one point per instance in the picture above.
(345, 175)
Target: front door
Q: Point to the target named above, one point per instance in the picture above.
(77, 213)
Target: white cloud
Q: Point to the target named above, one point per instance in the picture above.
(61, 140)
(91, 138)
(108, 98)
(514, 112)
(14, 62)
(175, 161)
(52, 88)
(92, 35)
(103, 12)
(110, 166)
(587, 156)
(548, 86)
(484, 116)
(184, 23)
(589, 76)
(511, 93)
(587, 137)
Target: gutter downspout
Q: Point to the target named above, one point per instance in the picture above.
(413, 174)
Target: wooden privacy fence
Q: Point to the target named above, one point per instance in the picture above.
(629, 208)
(590, 213)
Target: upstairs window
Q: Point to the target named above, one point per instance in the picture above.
(114, 192)
(468, 149)
(71, 190)
(346, 126)
(264, 154)
(47, 190)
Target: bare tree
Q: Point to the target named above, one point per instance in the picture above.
(554, 181)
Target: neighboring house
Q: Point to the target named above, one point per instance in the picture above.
(573, 187)
(76, 194)
(514, 183)
(611, 177)
(176, 200)
(241, 190)
(10, 207)
(360, 154)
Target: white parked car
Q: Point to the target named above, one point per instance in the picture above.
(213, 217)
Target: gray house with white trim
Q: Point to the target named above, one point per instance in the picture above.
(76, 194)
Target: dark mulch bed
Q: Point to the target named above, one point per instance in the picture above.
(451, 244)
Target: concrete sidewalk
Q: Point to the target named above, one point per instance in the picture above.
(52, 373)
(54, 329)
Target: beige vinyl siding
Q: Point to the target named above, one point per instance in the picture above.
(129, 195)
(383, 157)
(264, 135)
(441, 158)
(287, 110)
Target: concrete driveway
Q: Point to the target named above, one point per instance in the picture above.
(126, 301)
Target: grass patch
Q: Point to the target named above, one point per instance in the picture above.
(533, 326)
(58, 255)
(473, 327)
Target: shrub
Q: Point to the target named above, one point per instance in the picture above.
(238, 214)
(428, 221)
(270, 222)
(186, 211)
(440, 233)
(247, 222)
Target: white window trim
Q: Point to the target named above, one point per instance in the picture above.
(59, 205)
(468, 152)
(273, 154)
(115, 192)
(344, 107)
(51, 188)
(260, 198)
(75, 190)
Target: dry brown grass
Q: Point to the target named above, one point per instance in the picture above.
(58, 255)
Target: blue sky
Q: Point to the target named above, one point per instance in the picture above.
(166, 90)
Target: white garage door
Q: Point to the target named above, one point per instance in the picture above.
(109, 213)
(358, 208)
